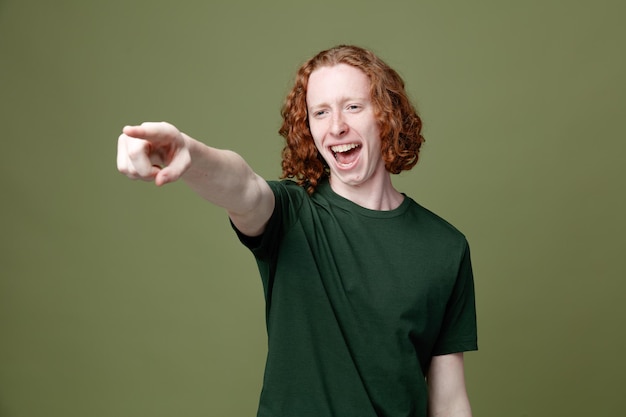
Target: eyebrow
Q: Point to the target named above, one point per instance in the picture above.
(341, 100)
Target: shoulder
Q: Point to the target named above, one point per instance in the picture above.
(288, 194)
(286, 187)
(433, 222)
(435, 235)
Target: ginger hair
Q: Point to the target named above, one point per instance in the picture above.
(399, 124)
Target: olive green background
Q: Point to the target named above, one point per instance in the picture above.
(118, 298)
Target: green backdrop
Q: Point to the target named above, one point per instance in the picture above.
(118, 298)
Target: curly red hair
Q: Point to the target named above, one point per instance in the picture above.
(400, 126)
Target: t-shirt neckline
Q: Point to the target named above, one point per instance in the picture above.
(325, 190)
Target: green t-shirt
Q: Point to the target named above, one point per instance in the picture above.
(357, 303)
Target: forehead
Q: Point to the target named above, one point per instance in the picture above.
(332, 83)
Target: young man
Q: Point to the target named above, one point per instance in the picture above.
(370, 297)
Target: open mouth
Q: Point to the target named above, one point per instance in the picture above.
(346, 154)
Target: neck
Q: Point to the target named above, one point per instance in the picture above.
(374, 195)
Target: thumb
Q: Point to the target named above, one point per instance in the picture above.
(176, 168)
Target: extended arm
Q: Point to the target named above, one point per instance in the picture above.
(447, 395)
(160, 152)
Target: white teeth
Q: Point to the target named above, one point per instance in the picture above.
(343, 148)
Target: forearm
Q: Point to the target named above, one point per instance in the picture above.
(219, 176)
(224, 178)
(447, 395)
(460, 410)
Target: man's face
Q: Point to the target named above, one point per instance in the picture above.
(343, 125)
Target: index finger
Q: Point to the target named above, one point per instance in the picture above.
(137, 132)
(151, 131)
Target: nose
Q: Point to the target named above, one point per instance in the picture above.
(338, 127)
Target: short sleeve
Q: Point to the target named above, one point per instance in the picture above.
(459, 332)
(288, 199)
